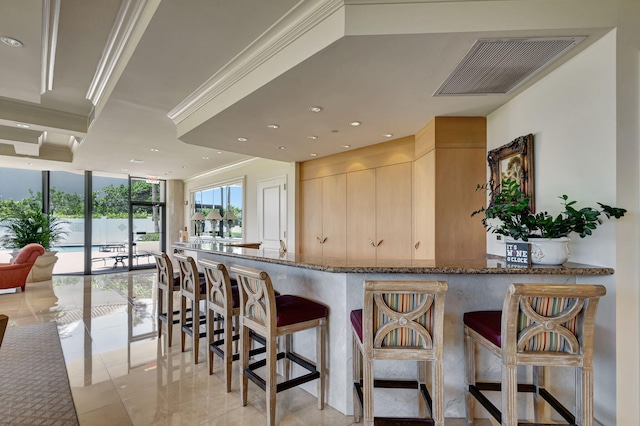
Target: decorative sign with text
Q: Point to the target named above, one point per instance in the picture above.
(518, 254)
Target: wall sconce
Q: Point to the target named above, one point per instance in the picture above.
(229, 217)
(214, 217)
(198, 217)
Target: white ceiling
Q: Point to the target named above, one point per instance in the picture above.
(256, 63)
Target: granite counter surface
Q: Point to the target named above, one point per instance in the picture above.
(338, 265)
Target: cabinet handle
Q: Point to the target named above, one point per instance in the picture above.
(321, 241)
(417, 245)
(325, 240)
(379, 242)
(373, 244)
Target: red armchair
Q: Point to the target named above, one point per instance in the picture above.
(14, 274)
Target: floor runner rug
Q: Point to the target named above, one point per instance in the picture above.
(34, 387)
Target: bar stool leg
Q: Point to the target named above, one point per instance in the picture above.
(286, 364)
(470, 375)
(320, 336)
(509, 395)
(438, 393)
(245, 346)
(169, 317)
(539, 381)
(195, 315)
(210, 339)
(228, 351)
(422, 373)
(356, 359)
(584, 396)
(160, 311)
(367, 391)
(271, 379)
(183, 321)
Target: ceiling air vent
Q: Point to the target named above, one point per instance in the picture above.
(499, 66)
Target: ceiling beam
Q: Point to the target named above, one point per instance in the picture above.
(44, 118)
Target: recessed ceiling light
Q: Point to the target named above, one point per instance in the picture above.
(273, 126)
(136, 161)
(355, 123)
(205, 158)
(219, 152)
(124, 170)
(282, 147)
(388, 135)
(346, 146)
(313, 138)
(243, 139)
(313, 154)
(29, 164)
(10, 41)
(22, 125)
(184, 167)
(315, 109)
(154, 150)
(335, 131)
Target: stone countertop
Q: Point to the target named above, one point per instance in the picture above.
(337, 265)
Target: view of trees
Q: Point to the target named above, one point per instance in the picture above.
(111, 201)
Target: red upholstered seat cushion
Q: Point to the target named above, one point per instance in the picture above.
(356, 322)
(487, 324)
(294, 309)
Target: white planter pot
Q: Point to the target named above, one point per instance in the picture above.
(545, 251)
(42, 270)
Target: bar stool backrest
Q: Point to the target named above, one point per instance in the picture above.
(403, 319)
(189, 279)
(549, 320)
(164, 269)
(219, 295)
(257, 298)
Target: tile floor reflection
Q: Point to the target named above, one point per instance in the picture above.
(121, 374)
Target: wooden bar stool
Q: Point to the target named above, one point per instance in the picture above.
(192, 292)
(401, 320)
(541, 325)
(168, 282)
(272, 316)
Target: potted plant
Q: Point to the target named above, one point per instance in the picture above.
(23, 226)
(510, 215)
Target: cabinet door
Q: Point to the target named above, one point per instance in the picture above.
(361, 214)
(424, 207)
(334, 206)
(393, 211)
(311, 214)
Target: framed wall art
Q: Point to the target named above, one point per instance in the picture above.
(514, 161)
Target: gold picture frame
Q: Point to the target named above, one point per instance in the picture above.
(513, 160)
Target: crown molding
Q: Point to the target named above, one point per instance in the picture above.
(292, 26)
(131, 22)
(50, 24)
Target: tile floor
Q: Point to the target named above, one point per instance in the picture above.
(121, 374)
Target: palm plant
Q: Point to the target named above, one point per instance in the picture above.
(25, 226)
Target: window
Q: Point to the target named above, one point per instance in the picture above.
(227, 200)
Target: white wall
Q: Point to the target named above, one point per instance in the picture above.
(252, 171)
(572, 114)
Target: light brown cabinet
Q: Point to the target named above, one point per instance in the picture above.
(323, 211)
(379, 213)
(450, 162)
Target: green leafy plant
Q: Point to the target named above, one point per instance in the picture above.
(25, 226)
(515, 219)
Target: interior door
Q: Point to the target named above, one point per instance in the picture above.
(272, 212)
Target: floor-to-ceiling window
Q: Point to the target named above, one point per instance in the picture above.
(66, 201)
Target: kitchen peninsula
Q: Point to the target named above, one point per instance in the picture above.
(473, 285)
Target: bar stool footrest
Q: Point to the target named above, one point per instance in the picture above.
(476, 389)
(398, 384)
(313, 373)
(216, 348)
